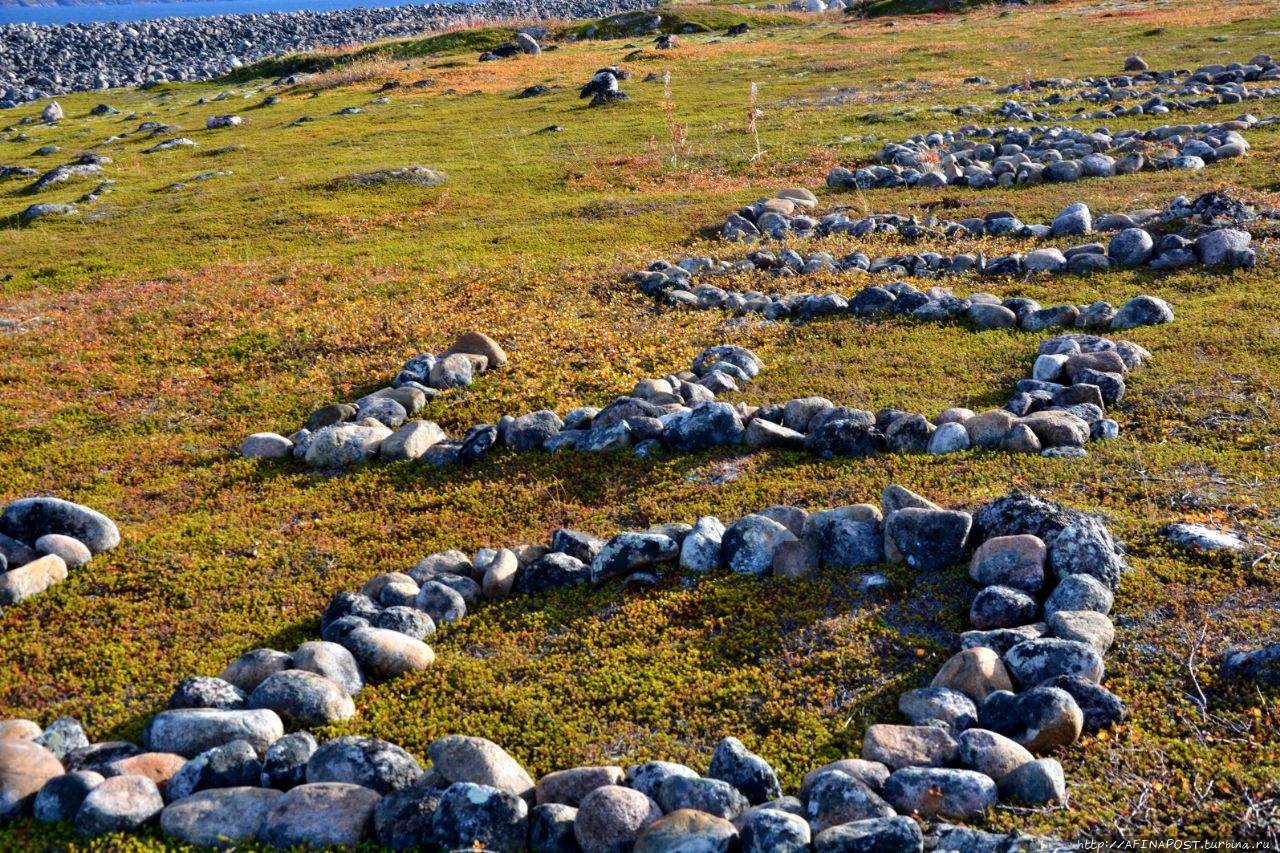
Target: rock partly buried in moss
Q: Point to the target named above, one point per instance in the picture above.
(420, 176)
(1198, 537)
(219, 818)
(1259, 665)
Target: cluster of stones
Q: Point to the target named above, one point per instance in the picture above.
(525, 43)
(41, 538)
(984, 157)
(217, 769)
(341, 434)
(1162, 91)
(39, 61)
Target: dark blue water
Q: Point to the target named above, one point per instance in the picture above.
(186, 9)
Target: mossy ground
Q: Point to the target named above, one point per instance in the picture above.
(164, 325)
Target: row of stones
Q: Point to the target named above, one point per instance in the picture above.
(792, 213)
(41, 538)
(989, 157)
(220, 775)
(1207, 86)
(1055, 411)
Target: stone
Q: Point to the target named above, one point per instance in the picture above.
(285, 764)
(878, 835)
(988, 316)
(384, 654)
(568, 787)
(774, 831)
(1215, 247)
(500, 575)
(411, 441)
(581, 546)
(611, 817)
(908, 746)
(1074, 220)
(870, 773)
(929, 539)
(441, 602)
(552, 571)
(19, 729)
(1085, 547)
(478, 343)
(732, 762)
(230, 766)
(930, 792)
(627, 552)
(1048, 260)
(332, 661)
(705, 795)
(531, 431)
(406, 620)
(404, 820)
(73, 552)
(748, 545)
(219, 819)
(384, 410)
(704, 427)
(949, 438)
(941, 706)
(647, 778)
(701, 549)
(1041, 719)
(1014, 561)
(975, 672)
(481, 817)
(836, 798)
(1057, 428)
(763, 435)
(1083, 626)
(344, 445)
(60, 798)
(372, 763)
(1142, 311)
(334, 413)
(797, 413)
(28, 519)
(1079, 593)
(32, 579)
(159, 767)
(322, 815)
(1135, 63)
(304, 699)
(458, 758)
(1036, 783)
(1198, 537)
(849, 438)
(253, 667)
(909, 434)
(99, 757)
(25, 767)
(987, 429)
(119, 804)
(551, 829)
(996, 607)
(990, 753)
(452, 371)
(202, 691)
(1036, 661)
(688, 831)
(1101, 708)
(191, 731)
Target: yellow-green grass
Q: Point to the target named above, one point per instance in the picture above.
(156, 337)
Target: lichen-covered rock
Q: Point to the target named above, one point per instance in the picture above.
(203, 691)
(705, 795)
(219, 818)
(369, 762)
(303, 698)
(836, 798)
(941, 792)
(327, 814)
(774, 831)
(471, 815)
(285, 764)
(878, 835)
(732, 762)
(1041, 719)
(627, 552)
(230, 766)
(60, 798)
(929, 539)
(1085, 547)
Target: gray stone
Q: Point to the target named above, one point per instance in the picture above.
(1083, 626)
(706, 795)
(1101, 708)
(1035, 783)
(285, 764)
(253, 667)
(191, 731)
(836, 797)
(366, 761)
(647, 778)
(1041, 719)
(1074, 220)
(938, 705)
(1142, 311)
(328, 814)
(611, 817)
(384, 654)
(702, 428)
(27, 519)
(774, 831)
(1086, 547)
(219, 819)
(332, 661)
(60, 798)
(732, 762)
(441, 602)
(929, 539)
(469, 815)
(229, 766)
(411, 441)
(931, 792)
(878, 835)
(304, 698)
(950, 437)
(996, 607)
(119, 804)
(472, 759)
(701, 549)
(627, 552)
(748, 545)
(453, 371)
(63, 736)
(991, 754)
(551, 829)
(1079, 592)
(531, 431)
(688, 831)
(343, 445)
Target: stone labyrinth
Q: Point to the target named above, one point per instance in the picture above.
(231, 758)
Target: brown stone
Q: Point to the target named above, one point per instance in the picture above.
(24, 768)
(19, 730)
(570, 786)
(908, 746)
(1058, 429)
(611, 816)
(459, 758)
(159, 767)
(976, 672)
(987, 429)
(33, 578)
(500, 575)
(477, 343)
(1016, 561)
(1106, 361)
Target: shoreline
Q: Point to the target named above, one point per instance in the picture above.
(40, 61)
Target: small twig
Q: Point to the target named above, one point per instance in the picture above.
(1191, 668)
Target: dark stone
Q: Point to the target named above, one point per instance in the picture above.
(1022, 512)
(285, 764)
(1085, 547)
(878, 835)
(469, 814)
(581, 546)
(552, 571)
(365, 761)
(551, 829)
(929, 539)
(477, 442)
(99, 756)
(28, 519)
(1101, 708)
(844, 438)
(230, 766)
(709, 425)
(203, 691)
(732, 762)
(705, 795)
